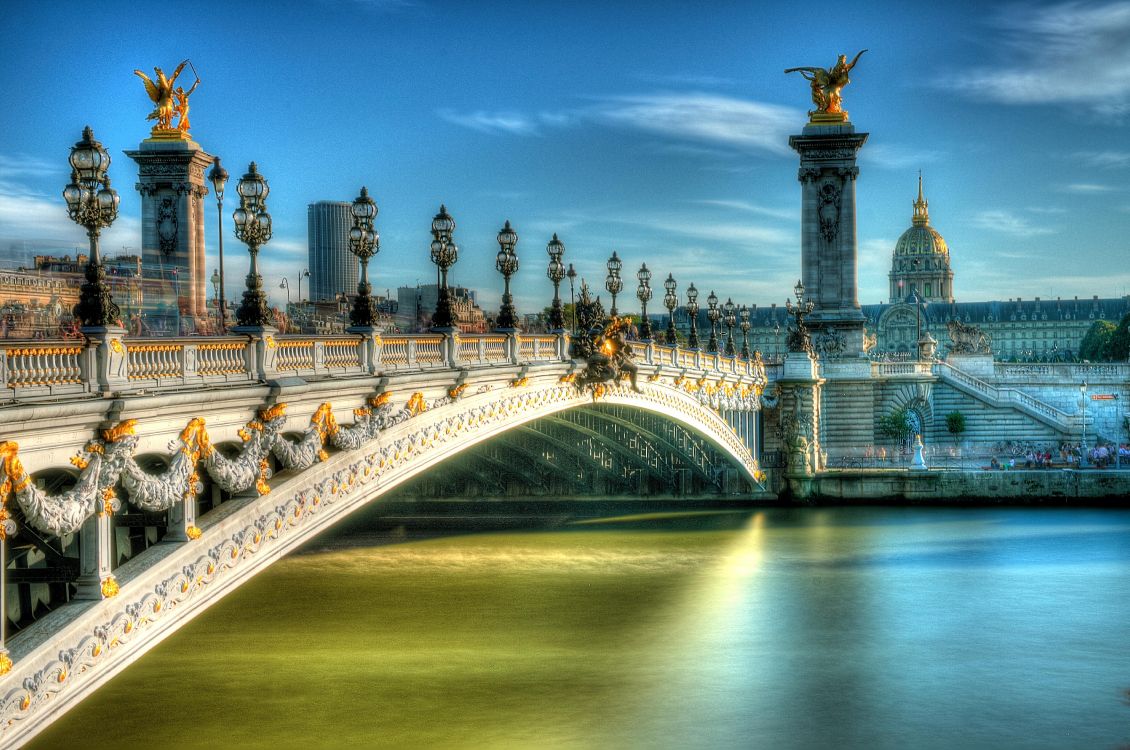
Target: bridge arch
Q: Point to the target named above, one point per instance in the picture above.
(249, 533)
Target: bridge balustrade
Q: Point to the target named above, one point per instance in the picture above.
(51, 368)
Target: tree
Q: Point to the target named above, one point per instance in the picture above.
(955, 424)
(895, 426)
(1120, 341)
(1095, 346)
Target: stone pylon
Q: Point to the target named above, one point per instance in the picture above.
(800, 395)
(828, 232)
(171, 183)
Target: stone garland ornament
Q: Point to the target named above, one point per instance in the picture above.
(107, 461)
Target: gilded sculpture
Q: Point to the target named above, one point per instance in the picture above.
(826, 87)
(170, 100)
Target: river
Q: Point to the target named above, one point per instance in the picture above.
(776, 628)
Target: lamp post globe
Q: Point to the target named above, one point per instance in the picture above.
(555, 248)
(692, 312)
(670, 301)
(613, 283)
(506, 261)
(444, 253)
(643, 294)
(218, 176)
(364, 242)
(729, 317)
(253, 227)
(92, 204)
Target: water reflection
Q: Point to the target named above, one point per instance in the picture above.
(781, 628)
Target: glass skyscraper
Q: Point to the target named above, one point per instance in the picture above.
(333, 269)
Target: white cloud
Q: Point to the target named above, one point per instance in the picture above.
(1087, 188)
(494, 123)
(1071, 53)
(752, 208)
(707, 118)
(698, 118)
(1104, 159)
(1007, 223)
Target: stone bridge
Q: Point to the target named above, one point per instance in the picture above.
(144, 479)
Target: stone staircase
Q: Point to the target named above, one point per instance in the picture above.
(1006, 398)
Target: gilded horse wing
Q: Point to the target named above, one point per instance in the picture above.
(150, 87)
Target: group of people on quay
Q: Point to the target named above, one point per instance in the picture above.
(1066, 456)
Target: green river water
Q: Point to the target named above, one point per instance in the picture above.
(777, 628)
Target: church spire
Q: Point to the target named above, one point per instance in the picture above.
(921, 214)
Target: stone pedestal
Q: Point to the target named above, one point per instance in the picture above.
(109, 357)
(171, 183)
(828, 232)
(799, 406)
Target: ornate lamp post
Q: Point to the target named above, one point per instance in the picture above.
(730, 318)
(713, 314)
(643, 294)
(92, 204)
(364, 242)
(507, 264)
(745, 332)
(670, 301)
(692, 311)
(556, 272)
(253, 227)
(1083, 444)
(444, 254)
(218, 176)
(799, 340)
(613, 283)
(776, 339)
(572, 274)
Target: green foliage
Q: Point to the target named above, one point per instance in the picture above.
(1120, 341)
(895, 426)
(955, 423)
(1095, 346)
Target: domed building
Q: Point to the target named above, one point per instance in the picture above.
(921, 264)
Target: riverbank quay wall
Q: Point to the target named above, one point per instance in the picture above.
(1002, 403)
(958, 487)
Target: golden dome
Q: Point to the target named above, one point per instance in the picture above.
(921, 238)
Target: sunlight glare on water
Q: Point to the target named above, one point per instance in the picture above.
(779, 628)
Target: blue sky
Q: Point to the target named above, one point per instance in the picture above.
(658, 130)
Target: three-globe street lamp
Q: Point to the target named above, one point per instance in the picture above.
(507, 264)
(713, 314)
(613, 283)
(92, 204)
(643, 294)
(218, 176)
(730, 318)
(253, 227)
(444, 254)
(364, 242)
(692, 311)
(556, 272)
(572, 274)
(670, 301)
(745, 325)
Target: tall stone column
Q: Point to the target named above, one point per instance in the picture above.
(799, 430)
(828, 234)
(171, 183)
